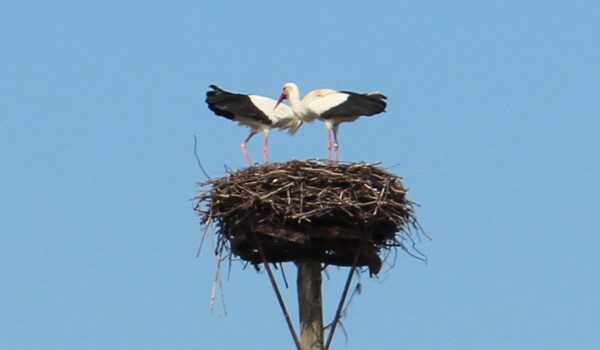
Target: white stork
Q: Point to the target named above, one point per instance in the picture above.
(260, 113)
(332, 107)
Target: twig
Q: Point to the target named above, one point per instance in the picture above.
(278, 294)
(217, 284)
(198, 158)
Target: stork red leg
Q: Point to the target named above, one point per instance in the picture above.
(266, 149)
(329, 144)
(243, 147)
(336, 145)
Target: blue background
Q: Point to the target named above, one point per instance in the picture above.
(493, 118)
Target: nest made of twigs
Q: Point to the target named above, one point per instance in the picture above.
(337, 213)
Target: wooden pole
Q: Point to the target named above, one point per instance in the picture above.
(310, 303)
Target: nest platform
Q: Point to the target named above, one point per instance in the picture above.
(337, 213)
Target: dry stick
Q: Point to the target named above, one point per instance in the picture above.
(279, 297)
(338, 312)
(198, 158)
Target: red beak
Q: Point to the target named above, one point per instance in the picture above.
(281, 98)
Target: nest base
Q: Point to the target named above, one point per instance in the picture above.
(338, 214)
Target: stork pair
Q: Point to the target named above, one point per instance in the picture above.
(262, 114)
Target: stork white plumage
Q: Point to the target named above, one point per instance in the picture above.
(332, 107)
(260, 113)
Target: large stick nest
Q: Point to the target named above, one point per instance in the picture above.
(339, 214)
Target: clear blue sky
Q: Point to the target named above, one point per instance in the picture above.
(493, 116)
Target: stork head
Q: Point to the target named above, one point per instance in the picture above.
(285, 94)
(289, 89)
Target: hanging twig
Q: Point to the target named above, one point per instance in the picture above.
(206, 226)
(217, 284)
(198, 158)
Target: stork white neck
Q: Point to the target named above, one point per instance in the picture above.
(292, 93)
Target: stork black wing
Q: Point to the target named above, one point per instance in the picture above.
(231, 105)
(357, 105)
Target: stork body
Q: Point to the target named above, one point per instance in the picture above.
(259, 113)
(333, 107)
